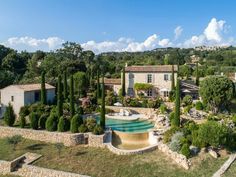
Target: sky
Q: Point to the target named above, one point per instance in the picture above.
(116, 25)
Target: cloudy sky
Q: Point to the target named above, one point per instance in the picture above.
(112, 25)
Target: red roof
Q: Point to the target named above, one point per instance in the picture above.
(151, 68)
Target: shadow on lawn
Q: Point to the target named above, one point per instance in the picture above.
(81, 153)
(35, 147)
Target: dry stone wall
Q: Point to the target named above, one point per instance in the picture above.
(5, 167)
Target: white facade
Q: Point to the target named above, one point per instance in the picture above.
(21, 95)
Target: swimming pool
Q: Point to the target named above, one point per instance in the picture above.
(135, 126)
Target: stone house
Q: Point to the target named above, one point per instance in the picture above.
(21, 95)
(157, 75)
(112, 84)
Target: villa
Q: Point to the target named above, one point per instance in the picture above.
(21, 95)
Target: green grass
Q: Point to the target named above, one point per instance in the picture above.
(231, 171)
(98, 162)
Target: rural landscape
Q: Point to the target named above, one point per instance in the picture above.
(157, 108)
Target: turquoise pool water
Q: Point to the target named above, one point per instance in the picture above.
(136, 126)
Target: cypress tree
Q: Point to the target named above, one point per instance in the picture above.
(102, 116)
(65, 89)
(9, 116)
(172, 78)
(123, 82)
(98, 86)
(59, 97)
(176, 120)
(197, 75)
(72, 99)
(43, 89)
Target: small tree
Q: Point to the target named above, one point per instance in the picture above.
(9, 116)
(14, 140)
(102, 115)
(43, 89)
(59, 97)
(65, 86)
(176, 120)
(61, 127)
(34, 118)
(22, 121)
(185, 150)
(187, 100)
(72, 99)
(75, 123)
(42, 121)
(123, 82)
(51, 123)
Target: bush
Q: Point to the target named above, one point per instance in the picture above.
(34, 118)
(185, 150)
(83, 128)
(9, 116)
(51, 123)
(76, 121)
(80, 110)
(169, 133)
(14, 140)
(187, 108)
(24, 111)
(163, 108)
(22, 121)
(90, 123)
(145, 103)
(187, 100)
(98, 130)
(42, 121)
(175, 143)
(199, 105)
(234, 119)
(172, 116)
(61, 124)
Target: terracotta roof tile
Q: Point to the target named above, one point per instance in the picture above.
(151, 68)
(32, 87)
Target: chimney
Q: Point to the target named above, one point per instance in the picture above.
(126, 64)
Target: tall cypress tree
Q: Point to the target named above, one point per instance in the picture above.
(65, 86)
(172, 78)
(197, 75)
(102, 116)
(176, 121)
(123, 82)
(72, 99)
(98, 86)
(43, 89)
(59, 97)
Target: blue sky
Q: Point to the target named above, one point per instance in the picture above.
(116, 25)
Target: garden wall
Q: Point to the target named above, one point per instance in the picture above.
(5, 167)
(134, 109)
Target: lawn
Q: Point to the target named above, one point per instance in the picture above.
(98, 162)
(231, 171)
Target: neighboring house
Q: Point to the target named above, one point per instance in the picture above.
(157, 75)
(189, 88)
(21, 95)
(113, 84)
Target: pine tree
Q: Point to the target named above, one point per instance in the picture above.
(98, 86)
(197, 75)
(102, 116)
(65, 89)
(172, 79)
(72, 99)
(59, 97)
(43, 89)
(123, 82)
(176, 120)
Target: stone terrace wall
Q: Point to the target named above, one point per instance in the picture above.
(33, 171)
(135, 109)
(97, 140)
(178, 158)
(68, 139)
(5, 167)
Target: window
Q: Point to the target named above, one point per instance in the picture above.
(149, 92)
(149, 78)
(166, 77)
(36, 96)
(166, 94)
(12, 98)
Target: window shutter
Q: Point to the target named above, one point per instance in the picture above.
(153, 78)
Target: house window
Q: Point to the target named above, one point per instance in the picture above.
(12, 98)
(149, 78)
(166, 94)
(166, 77)
(149, 93)
(36, 96)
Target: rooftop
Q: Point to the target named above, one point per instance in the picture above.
(111, 81)
(31, 87)
(151, 68)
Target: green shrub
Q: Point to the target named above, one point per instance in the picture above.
(187, 108)
(145, 103)
(80, 110)
(52, 120)
(199, 105)
(22, 121)
(83, 128)
(61, 124)
(98, 130)
(90, 123)
(14, 140)
(172, 116)
(163, 108)
(34, 118)
(168, 134)
(234, 119)
(185, 150)
(172, 95)
(42, 121)
(175, 143)
(187, 100)
(9, 116)
(24, 111)
(76, 121)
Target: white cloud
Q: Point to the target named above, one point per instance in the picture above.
(214, 30)
(165, 43)
(32, 44)
(178, 31)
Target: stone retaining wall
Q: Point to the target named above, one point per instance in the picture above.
(5, 167)
(68, 139)
(178, 158)
(134, 109)
(33, 171)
